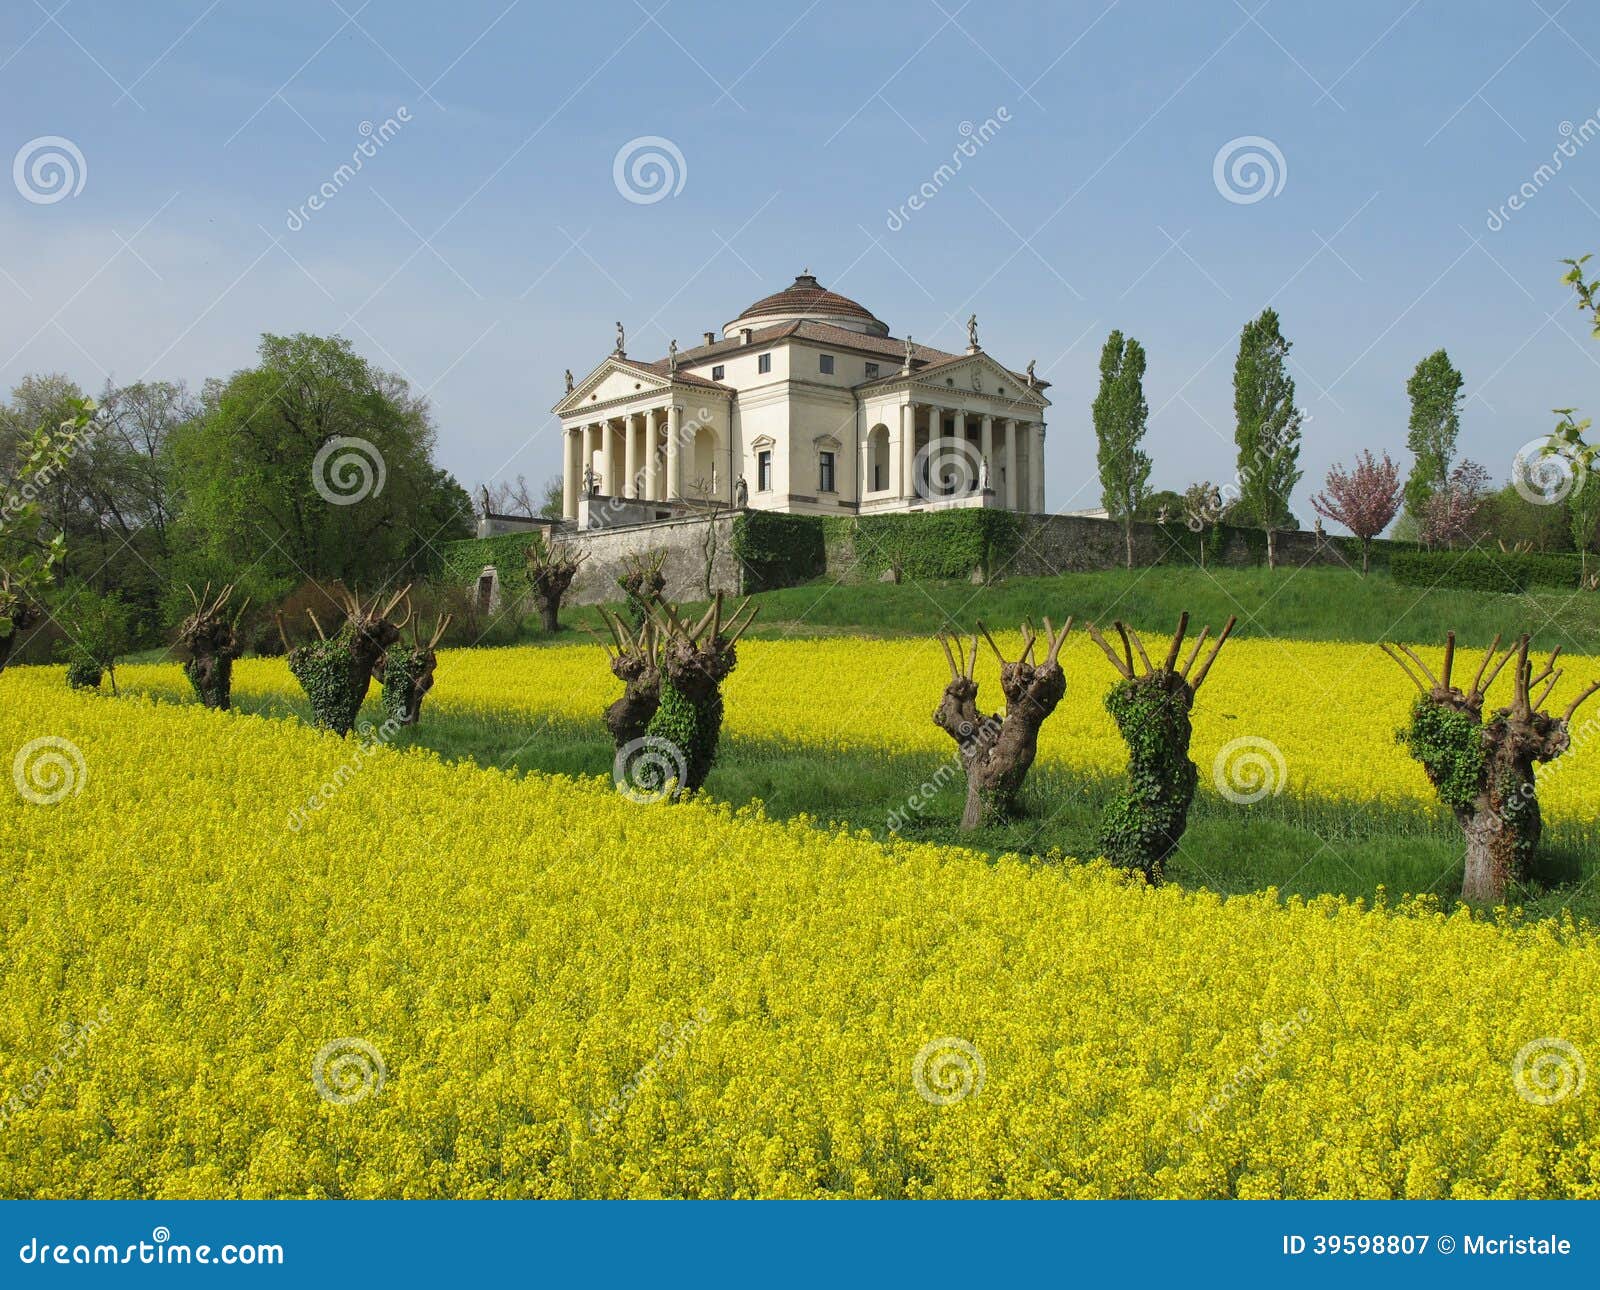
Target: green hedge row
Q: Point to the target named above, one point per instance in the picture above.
(932, 544)
(464, 560)
(1484, 570)
(778, 550)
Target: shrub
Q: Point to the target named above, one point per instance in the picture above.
(1500, 571)
(935, 544)
(778, 550)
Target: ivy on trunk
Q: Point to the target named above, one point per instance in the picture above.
(211, 641)
(1484, 770)
(335, 672)
(1143, 825)
(406, 673)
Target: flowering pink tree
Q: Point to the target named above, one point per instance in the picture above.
(1364, 500)
(1451, 514)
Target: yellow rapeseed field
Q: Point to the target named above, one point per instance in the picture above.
(447, 981)
(1330, 710)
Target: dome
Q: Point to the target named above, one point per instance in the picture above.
(805, 298)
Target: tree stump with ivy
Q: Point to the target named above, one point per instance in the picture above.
(997, 751)
(406, 674)
(642, 583)
(336, 672)
(211, 641)
(1143, 825)
(1484, 770)
(694, 662)
(636, 662)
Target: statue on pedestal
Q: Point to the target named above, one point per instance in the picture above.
(672, 356)
(1031, 378)
(569, 380)
(741, 493)
(972, 333)
(622, 336)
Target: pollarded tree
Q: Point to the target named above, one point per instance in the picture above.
(636, 662)
(694, 662)
(406, 673)
(1364, 500)
(551, 568)
(1483, 770)
(642, 582)
(1143, 826)
(1120, 415)
(336, 671)
(211, 640)
(997, 751)
(1267, 428)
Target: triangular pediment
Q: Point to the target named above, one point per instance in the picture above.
(615, 380)
(977, 374)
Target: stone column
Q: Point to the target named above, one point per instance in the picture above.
(674, 452)
(935, 434)
(1036, 467)
(571, 470)
(1012, 494)
(630, 454)
(652, 459)
(898, 470)
(986, 444)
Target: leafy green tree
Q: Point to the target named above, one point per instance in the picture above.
(98, 628)
(31, 544)
(1435, 392)
(1583, 514)
(1120, 416)
(315, 464)
(1267, 427)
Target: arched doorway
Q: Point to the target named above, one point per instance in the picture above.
(878, 459)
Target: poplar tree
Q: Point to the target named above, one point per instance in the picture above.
(1435, 392)
(1120, 415)
(1267, 426)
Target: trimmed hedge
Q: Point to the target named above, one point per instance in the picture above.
(778, 550)
(1484, 570)
(930, 544)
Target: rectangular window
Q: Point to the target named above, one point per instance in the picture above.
(764, 363)
(716, 372)
(825, 364)
(825, 473)
(764, 472)
(872, 371)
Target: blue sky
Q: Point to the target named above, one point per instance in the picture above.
(485, 246)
